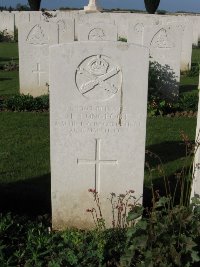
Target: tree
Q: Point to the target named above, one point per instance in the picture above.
(151, 5)
(34, 4)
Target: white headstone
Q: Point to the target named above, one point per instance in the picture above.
(165, 49)
(7, 23)
(97, 32)
(196, 167)
(98, 105)
(185, 26)
(186, 45)
(34, 41)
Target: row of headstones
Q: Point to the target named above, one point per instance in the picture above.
(10, 20)
(170, 39)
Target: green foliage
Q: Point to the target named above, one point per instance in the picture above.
(188, 102)
(151, 5)
(5, 36)
(122, 39)
(194, 71)
(157, 104)
(161, 12)
(10, 66)
(166, 237)
(33, 243)
(25, 103)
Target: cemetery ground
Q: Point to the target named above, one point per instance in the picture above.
(25, 190)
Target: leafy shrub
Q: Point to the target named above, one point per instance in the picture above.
(194, 71)
(161, 12)
(122, 39)
(26, 103)
(157, 104)
(167, 237)
(151, 5)
(5, 36)
(32, 243)
(189, 102)
(10, 66)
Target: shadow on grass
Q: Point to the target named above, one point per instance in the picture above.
(2, 59)
(166, 151)
(187, 88)
(5, 79)
(31, 197)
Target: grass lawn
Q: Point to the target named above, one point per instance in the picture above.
(25, 163)
(190, 84)
(9, 81)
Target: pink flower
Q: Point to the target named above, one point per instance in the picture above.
(92, 190)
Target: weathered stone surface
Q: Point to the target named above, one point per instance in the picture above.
(98, 105)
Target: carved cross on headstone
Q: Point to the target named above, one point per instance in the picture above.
(97, 162)
(38, 72)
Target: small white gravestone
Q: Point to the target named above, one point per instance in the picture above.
(34, 42)
(65, 25)
(7, 23)
(93, 6)
(165, 49)
(186, 45)
(136, 32)
(196, 167)
(98, 106)
(98, 22)
(184, 25)
(97, 32)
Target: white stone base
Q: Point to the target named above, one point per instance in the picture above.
(92, 8)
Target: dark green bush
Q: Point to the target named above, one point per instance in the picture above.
(189, 102)
(32, 243)
(5, 37)
(194, 71)
(167, 237)
(157, 103)
(25, 103)
(10, 66)
(164, 237)
(151, 5)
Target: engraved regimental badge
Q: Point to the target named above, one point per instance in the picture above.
(97, 77)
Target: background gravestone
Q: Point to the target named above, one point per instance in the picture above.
(98, 106)
(164, 43)
(7, 22)
(97, 32)
(34, 42)
(196, 167)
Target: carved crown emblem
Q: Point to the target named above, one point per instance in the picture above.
(98, 66)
